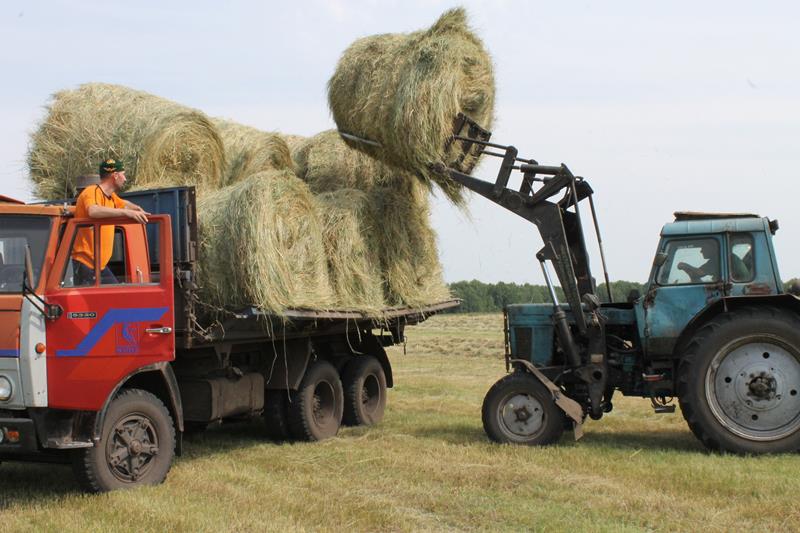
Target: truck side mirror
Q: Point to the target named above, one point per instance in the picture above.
(660, 259)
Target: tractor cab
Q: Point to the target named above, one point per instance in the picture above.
(702, 259)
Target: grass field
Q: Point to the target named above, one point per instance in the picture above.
(429, 466)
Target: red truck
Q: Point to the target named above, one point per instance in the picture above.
(110, 376)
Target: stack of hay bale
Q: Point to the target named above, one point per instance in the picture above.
(293, 222)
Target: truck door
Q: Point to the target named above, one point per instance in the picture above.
(689, 279)
(116, 317)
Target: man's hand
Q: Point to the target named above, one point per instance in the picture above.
(139, 216)
(695, 274)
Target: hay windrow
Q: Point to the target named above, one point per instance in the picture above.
(327, 164)
(250, 150)
(353, 257)
(261, 244)
(407, 244)
(157, 139)
(405, 90)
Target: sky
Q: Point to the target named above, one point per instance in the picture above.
(667, 106)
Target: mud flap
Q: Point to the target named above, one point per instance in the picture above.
(570, 407)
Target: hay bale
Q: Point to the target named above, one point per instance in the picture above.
(407, 244)
(327, 164)
(250, 150)
(157, 139)
(405, 90)
(353, 260)
(261, 244)
(292, 141)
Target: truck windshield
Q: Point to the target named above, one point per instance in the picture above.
(17, 232)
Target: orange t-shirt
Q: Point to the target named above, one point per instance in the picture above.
(83, 249)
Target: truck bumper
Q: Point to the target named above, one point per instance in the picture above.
(18, 436)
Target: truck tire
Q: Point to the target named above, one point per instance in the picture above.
(364, 391)
(315, 412)
(739, 379)
(276, 421)
(136, 447)
(518, 409)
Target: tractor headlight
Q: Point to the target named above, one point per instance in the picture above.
(5, 389)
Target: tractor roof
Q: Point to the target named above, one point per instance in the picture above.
(704, 223)
(699, 215)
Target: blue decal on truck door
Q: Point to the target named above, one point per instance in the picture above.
(112, 317)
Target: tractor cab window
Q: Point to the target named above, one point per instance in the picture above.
(742, 266)
(690, 261)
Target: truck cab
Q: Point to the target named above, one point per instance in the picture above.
(66, 347)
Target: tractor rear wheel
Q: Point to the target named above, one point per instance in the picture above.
(739, 381)
(518, 409)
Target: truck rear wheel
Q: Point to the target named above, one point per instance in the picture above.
(364, 391)
(315, 412)
(518, 409)
(739, 381)
(136, 447)
(275, 414)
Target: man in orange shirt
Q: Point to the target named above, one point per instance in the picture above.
(101, 201)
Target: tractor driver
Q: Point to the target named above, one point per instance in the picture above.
(708, 251)
(101, 201)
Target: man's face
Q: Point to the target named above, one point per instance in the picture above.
(119, 180)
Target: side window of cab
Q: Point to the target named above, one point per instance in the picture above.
(690, 261)
(118, 253)
(741, 263)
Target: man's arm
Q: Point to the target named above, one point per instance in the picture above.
(99, 211)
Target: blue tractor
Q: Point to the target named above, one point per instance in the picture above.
(714, 328)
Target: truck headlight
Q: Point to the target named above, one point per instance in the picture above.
(5, 389)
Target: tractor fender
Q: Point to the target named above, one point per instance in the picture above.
(157, 378)
(729, 303)
(570, 407)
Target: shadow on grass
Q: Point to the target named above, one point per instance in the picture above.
(662, 440)
(680, 441)
(37, 483)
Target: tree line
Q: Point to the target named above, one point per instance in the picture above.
(480, 297)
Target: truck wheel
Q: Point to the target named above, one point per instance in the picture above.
(275, 414)
(518, 409)
(136, 447)
(315, 412)
(364, 391)
(739, 381)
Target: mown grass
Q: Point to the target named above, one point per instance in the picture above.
(429, 466)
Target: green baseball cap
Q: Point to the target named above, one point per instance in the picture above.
(111, 165)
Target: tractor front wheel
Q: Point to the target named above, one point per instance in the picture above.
(518, 409)
(739, 381)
